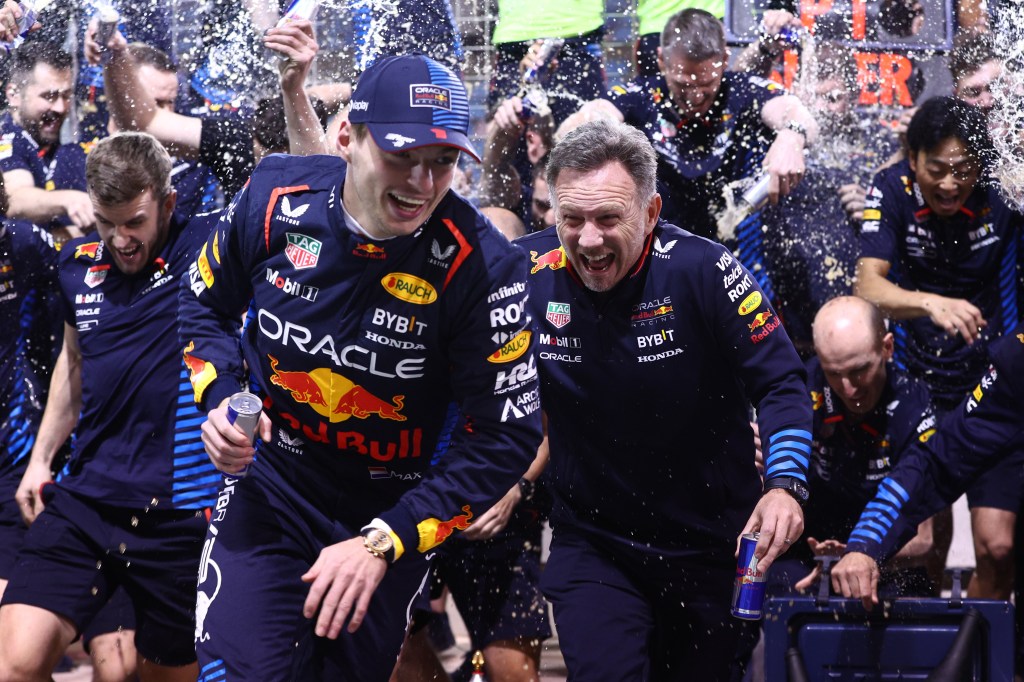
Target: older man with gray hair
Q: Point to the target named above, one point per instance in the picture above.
(653, 486)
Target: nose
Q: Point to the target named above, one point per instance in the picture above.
(849, 388)
(590, 236)
(421, 178)
(985, 100)
(59, 105)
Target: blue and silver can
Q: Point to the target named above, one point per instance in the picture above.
(244, 410)
(748, 594)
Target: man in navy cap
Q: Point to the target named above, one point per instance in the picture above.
(386, 336)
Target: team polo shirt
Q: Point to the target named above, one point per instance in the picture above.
(137, 440)
(851, 456)
(646, 389)
(985, 427)
(20, 151)
(698, 157)
(28, 273)
(972, 256)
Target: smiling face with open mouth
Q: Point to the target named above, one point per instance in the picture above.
(135, 231)
(42, 103)
(946, 175)
(391, 194)
(602, 223)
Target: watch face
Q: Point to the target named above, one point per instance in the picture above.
(380, 541)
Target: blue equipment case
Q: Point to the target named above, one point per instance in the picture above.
(822, 638)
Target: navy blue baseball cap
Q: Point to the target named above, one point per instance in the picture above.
(412, 101)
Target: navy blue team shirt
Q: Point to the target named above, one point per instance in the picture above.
(972, 255)
(367, 353)
(850, 457)
(698, 157)
(20, 151)
(646, 390)
(28, 272)
(984, 428)
(138, 437)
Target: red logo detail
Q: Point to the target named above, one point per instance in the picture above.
(302, 386)
(440, 133)
(554, 259)
(457, 522)
(360, 403)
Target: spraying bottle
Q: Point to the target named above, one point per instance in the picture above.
(109, 19)
(30, 10)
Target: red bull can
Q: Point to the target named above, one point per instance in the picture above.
(748, 594)
(244, 410)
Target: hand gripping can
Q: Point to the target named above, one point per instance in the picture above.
(244, 410)
(748, 594)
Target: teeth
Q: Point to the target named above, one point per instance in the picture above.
(409, 200)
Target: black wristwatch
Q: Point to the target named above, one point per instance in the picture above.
(526, 489)
(793, 486)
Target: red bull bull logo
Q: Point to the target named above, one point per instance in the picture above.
(759, 320)
(333, 396)
(817, 400)
(409, 288)
(91, 249)
(435, 531)
(201, 372)
(554, 259)
(371, 251)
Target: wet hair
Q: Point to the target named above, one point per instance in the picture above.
(836, 61)
(121, 167)
(596, 143)
(941, 118)
(971, 50)
(147, 55)
(35, 52)
(694, 33)
(269, 126)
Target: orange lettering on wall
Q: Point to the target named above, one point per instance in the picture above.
(867, 77)
(894, 70)
(860, 19)
(810, 10)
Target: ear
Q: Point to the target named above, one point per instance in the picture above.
(653, 211)
(912, 160)
(887, 346)
(170, 201)
(661, 61)
(11, 92)
(344, 140)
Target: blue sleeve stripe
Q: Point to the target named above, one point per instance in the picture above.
(786, 465)
(876, 508)
(886, 495)
(865, 534)
(795, 444)
(190, 460)
(874, 525)
(795, 433)
(877, 517)
(802, 460)
(896, 488)
(797, 474)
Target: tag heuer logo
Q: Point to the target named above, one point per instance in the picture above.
(558, 314)
(302, 251)
(95, 275)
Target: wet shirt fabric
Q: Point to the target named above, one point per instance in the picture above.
(983, 430)
(225, 146)
(367, 352)
(972, 256)
(849, 457)
(646, 389)
(138, 437)
(28, 274)
(19, 151)
(698, 157)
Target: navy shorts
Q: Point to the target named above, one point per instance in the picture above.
(78, 552)
(116, 615)
(249, 622)
(496, 584)
(625, 616)
(12, 526)
(1002, 486)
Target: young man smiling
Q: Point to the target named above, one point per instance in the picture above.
(127, 510)
(939, 256)
(387, 334)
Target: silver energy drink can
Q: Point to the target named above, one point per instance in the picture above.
(549, 48)
(244, 410)
(756, 196)
(28, 18)
(300, 9)
(748, 594)
(109, 19)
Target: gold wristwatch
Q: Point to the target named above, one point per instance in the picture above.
(379, 543)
